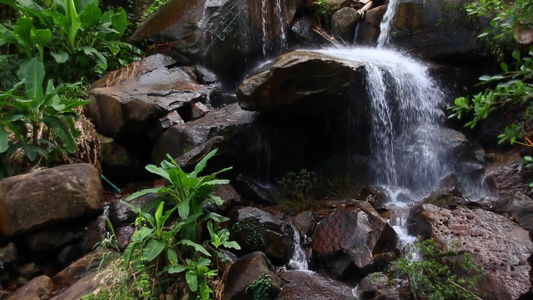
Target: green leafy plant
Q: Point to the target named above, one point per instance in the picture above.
(512, 89)
(156, 4)
(326, 8)
(435, 274)
(75, 39)
(178, 248)
(297, 190)
(261, 288)
(38, 121)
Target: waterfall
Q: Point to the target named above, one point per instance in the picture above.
(405, 105)
(264, 13)
(298, 260)
(384, 35)
(282, 33)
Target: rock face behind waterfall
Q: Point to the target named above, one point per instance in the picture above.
(303, 82)
(227, 35)
(498, 245)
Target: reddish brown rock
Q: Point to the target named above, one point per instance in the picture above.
(244, 271)
(38, 288)
(508, 174)
(56, 195)
(309, 285)
(353, 235)
(498, 245)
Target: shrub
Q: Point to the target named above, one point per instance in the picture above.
(439, 275)
(297, 190)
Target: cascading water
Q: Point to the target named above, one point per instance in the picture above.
(386, 23)
(298, 260)
(282, 33)
(405, 103)
(264, 13)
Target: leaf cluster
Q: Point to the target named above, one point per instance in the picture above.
(437, 275)
(74, 38)
(297, 190)
(39, 121)
(177, 248)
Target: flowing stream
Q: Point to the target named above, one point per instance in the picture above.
(386, 23)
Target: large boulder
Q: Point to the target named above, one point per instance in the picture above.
(141, 100)
(343, 23)
(226, 35)
(353, 236)
(310, 285)
(56, 195)
(38, 288)
(432, 29)
(299, 82)
(245, 271)
(499, 246)
(258, 230)
(508, 175)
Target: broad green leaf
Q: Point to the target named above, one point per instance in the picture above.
(90, 15)
(74, 22)
(176, 269)
(30, 151)
(4, 143)
(196, 246)
(23, 29)
(142, 234)
(120, 21)
(63, 132)
(215, 217)
(183, 209)
(231, 244)
(172, 257)
(61, 57)
(192, 280)
(142, 193)
(32, 72)
(158, 171)
(153, 248)
(203, 262)
(96, 56)
(504, 67)
(41, 36)
(202, 163)
(516, 55)
(158, 214)
(128, 253)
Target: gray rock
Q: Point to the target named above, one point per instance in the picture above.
(343, 23)
(309, 285)
(38, 288)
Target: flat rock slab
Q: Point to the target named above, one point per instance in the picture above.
(56, 195)
(303, 285)
(499, 246)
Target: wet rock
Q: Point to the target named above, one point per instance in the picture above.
(377, 286)
(244, 271)
(8, 253)
(177, 140)
(257, 230)
(229, 195)
(256, 191)
(226, 35)
(309, 285)
(83, 286)
(369, 29)
(445, 197)
(124, 234)
(304, 222)
(69, 254)
(78, 269)
(121, 214)
(509, 174)
(130, 110)
(38, 288)
(435, 29)
(499, 246)
(351, 236)
(28, 270)
(49, 239)
(343, 23)
(303, 29)
(94, 234)
(518, 207)
(36, 200)
(192, 157)
(116, 161)
(299, 81)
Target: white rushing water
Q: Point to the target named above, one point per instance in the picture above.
(282, 30)
(405, 104)
(386, 23)
(264, 13)
(298, 260)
